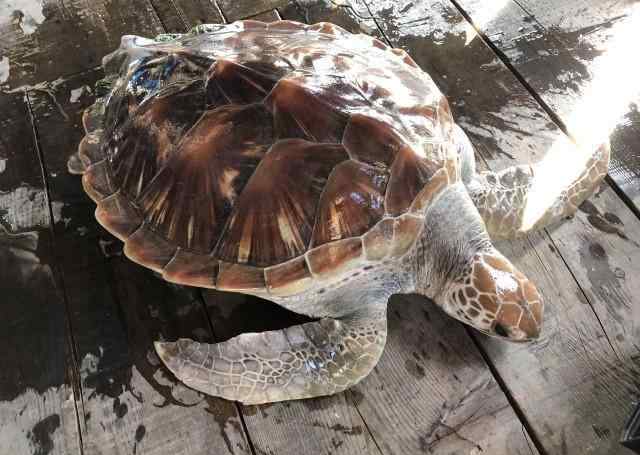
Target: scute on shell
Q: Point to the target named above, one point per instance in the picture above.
(264, 158)
(273, 219)
(315, 107)
(191, 198)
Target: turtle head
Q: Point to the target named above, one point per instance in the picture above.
(494, 297)
(461, 271)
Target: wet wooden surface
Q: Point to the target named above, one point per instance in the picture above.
(565, 52)
(80, 374)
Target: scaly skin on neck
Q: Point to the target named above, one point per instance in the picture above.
(457, 266)
(453, 233)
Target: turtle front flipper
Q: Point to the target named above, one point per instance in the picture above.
(302, 361)
(525, 198)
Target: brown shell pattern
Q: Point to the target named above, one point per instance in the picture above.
(264, 157)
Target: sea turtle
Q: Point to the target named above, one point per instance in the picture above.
(320, 170)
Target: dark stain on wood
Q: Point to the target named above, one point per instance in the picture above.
(339, 428)
(23, 204)
(239, 9)
(607, 222)
(40, 434)
(414, 369)
(224, 413)
(31, 304)
(119, 409)
(556, 56)
(317, 404)
(180, 15)
(552, 58)
(140, 432)
(482, 94)
(604, 281)
(601, 432)
(356, 396)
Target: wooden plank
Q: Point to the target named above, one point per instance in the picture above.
(180, 15)
(267, 16)
(37, 407)
(603, 252)
(580, 384)
(431, 391)
(528, 41)
(241, 9)
(340, 13)
(67, 36)
(130, 403)
(23, 199)
(570, 53)
(562, 57)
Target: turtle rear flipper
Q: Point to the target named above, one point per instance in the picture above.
(525, 198)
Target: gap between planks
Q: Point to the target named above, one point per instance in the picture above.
(59, 279)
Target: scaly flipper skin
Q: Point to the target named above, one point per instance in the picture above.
(302, 361)
(526, 198)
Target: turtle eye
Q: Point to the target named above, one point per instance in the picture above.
(500, 330)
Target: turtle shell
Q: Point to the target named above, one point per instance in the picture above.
(264, 158)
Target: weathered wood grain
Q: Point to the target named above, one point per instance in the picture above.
(433, 393)
(180, 15)
(573, 54)
(59, 38)
(340, 13)
(604, 255)
(37, 406)
(573, 385)
(267, 16)
(130, 403)
(23, 201)
(564, 383)
(573, 63)
(242, 9)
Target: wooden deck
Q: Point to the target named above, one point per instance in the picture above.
(78, 373)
